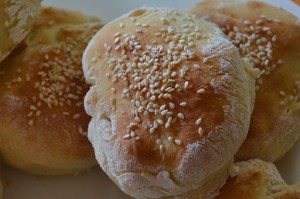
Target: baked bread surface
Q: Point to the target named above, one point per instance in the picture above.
(17, 19)
(42, 118)
(170, 101)
(270, 38)
(257, 179)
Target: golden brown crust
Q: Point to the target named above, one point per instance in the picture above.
(42, 119)
(275, 49)
(257, 179)
(17, 19)
(178, 136)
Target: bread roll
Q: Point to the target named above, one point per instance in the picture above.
(170, 101)
(42, 119)
(17, 18)
(270, 38)
(257, 179)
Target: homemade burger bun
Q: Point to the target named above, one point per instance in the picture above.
(270, 38)
(170, 101)
(42, 118)
(17, 18)
(256, 179)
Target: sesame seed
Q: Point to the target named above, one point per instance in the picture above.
(183, 104)
(186, 84)
(198, 121)
(160, 121)
(121, 25)
(168, 124)
(174, 74)
(38, 113)
(76, 116)
(152, 130)
(200, 131)
(139, 30)
(180, 115)
(136, 138)
(197, 66)
(158, 141)
(172, 105)
(33, 108)
(259, 22)
(282, 93)
(164, 112)
(247, 22)
(30, 123)
(145, 25)
(127, 136)
(117, 34)
(117, 40)
(161, 148)
(137, 79)
(132, 134)
(178, 142)
(153, 98)
(137, 118)
(162, 107)
(201, 90)
(30, 114)
(205, 60)
(266, 29)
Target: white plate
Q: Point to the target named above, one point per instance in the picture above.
(95, 184)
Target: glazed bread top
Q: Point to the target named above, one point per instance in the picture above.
(171, 101)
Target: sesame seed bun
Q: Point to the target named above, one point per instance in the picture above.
(17, 18)
(42, 119)
(270, 38)
(257, 179)
(170, 101)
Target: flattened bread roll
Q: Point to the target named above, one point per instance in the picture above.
(17, 18)
(270, 38)
(42, 118)
(257, 179)
(170, 99)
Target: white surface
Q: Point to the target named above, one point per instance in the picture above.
(95, 184)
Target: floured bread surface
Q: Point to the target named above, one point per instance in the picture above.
(42, 118)
(170, 101)
(17, 18)
(257, 179)
(270, 38)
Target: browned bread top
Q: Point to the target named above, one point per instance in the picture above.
(42, 119)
